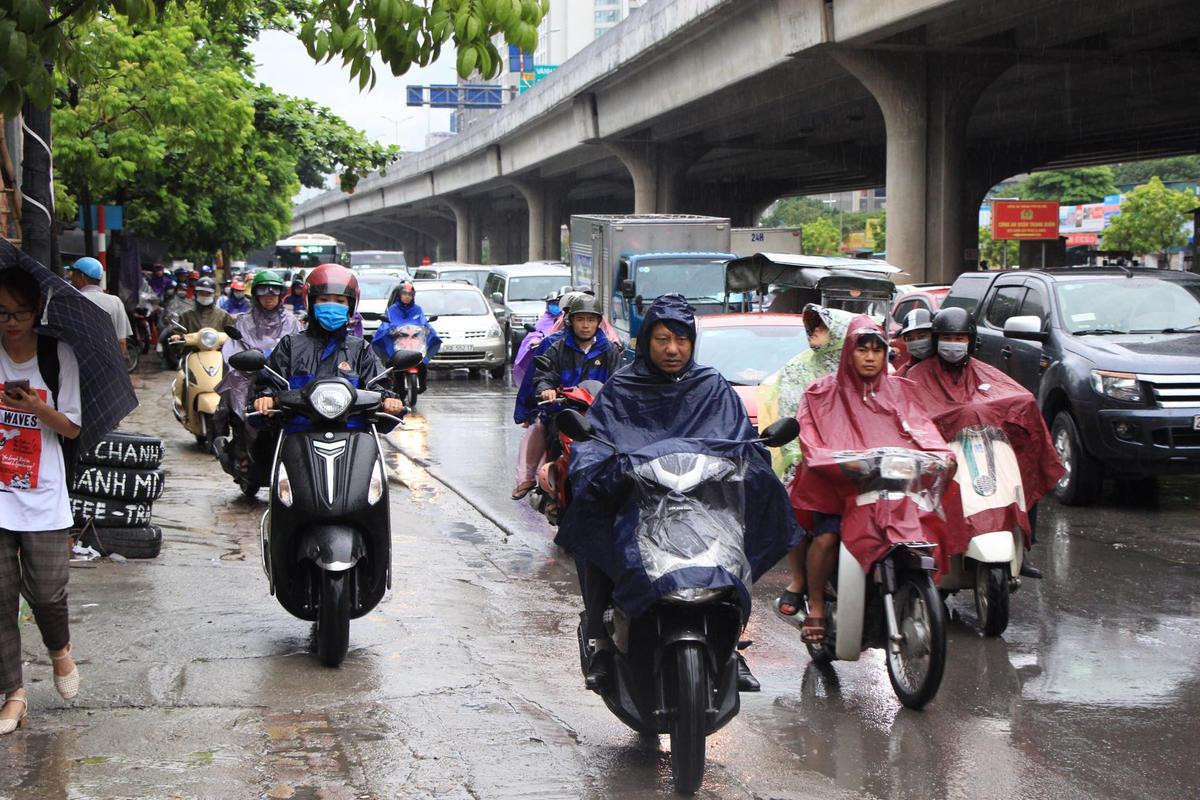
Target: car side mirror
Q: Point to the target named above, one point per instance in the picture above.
(1025, 328)
(780, 432)
(530, 327)
(575, 425)
(628, 289)
(498, 298)
(233, 333)
(248, 361)
(405, 359)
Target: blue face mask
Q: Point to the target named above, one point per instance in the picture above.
(554, 309)
(331, 316)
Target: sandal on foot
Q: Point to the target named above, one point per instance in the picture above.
(790, 598)
(7, 726)
(813, 630)
(523, 488)
(67, 685)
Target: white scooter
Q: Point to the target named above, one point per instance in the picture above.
(989, 479)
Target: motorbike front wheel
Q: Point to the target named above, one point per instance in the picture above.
(133, 353)
(414, 386)
(689, 723)
(916, 662)
(333, 618)
(991, 599)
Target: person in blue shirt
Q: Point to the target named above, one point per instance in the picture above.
(295, 300)
(405, 311)
(235, 302)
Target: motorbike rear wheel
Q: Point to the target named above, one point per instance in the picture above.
(133, 353)
(991, 599)
(413, 382)
(333, 618)
(689, 723)
(916, 663)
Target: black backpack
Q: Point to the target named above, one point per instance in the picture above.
(47, 358)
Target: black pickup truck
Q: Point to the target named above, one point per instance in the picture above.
(1113, 356)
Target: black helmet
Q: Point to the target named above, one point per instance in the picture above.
(586, 304)
(919, 319)
(954, 320)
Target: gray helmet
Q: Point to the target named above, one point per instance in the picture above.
(919, 319)
(206, 285)
(585, 304)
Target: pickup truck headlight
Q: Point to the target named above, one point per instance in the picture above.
(1117, 385)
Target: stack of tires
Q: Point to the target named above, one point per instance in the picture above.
(116, 484)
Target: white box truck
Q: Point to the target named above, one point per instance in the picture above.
(748, 241)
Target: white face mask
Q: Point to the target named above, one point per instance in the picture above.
(204, 299)
(953, 352)
(920, 348)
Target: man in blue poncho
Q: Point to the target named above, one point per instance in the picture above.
(664, 395)
(405, 311)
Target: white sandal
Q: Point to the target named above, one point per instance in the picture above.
(7, 726)
(67, 685)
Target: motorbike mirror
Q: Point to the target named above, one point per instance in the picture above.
(780, 432)
(575, 425)
(248, 361)
(640, 303)
(233, 333)
(431, 318)
(405, 359)
(530, 327)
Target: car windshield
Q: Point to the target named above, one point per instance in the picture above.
(452, 303)
(749, 354)
(475, 277)
(1129, 305)
(377, 288)
(701, 280)
(534, 287)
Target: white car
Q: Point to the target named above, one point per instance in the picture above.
(464, 321)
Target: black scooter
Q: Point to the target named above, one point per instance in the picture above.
(326, 537)
(675, 667)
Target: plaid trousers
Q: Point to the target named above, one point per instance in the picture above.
(34, 564)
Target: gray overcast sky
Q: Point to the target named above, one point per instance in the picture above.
(286, 67)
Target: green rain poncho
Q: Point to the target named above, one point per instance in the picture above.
(779, 395)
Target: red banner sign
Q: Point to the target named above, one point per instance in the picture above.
(1025, 219)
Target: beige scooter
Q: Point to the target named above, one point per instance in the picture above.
(195, 385)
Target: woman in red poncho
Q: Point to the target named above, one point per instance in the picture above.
(960, 392)
(859, 407)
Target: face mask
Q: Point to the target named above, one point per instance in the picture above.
(554, 309)
(331, 316)
(921, 348)
(204, 299)
(952, 352)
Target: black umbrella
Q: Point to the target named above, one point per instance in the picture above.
(105, 392)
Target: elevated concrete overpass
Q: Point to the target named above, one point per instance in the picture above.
(722, 106)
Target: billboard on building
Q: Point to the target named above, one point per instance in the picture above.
(1025, 219)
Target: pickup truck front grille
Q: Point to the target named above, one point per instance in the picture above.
(1174, 391)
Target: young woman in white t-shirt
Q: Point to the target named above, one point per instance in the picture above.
(35, 513)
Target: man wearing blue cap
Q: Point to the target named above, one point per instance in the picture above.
(85, 276)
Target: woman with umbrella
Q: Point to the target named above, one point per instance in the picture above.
(43, 415)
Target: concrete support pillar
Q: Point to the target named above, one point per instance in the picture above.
(462, 229)
(534, 192)
(926, 102)
(657, 171)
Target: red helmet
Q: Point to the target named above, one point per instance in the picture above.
(331, 279)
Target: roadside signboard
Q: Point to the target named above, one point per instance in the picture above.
(1025, 219)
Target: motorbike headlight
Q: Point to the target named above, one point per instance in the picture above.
(209, 338)
(375, 490)
(331, 400)
(897, 468)
(283, 486)
(692, 596)
(1117, 385)
(682, 472)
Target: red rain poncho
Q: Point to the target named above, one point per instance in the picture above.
(843, 412)
(980, 394)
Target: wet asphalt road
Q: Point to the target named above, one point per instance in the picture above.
(464, 682)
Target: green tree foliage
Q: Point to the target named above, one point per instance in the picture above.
(879, 235)
(1069, 186)
(1151, 220)
(821, 238)
(399, 33)
(992, 250)
(794, 212)
(1181, 168)
(166, 120)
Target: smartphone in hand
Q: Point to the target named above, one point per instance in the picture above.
(16, 390)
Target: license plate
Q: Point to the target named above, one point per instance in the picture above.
(456, 348)
(1196, 423)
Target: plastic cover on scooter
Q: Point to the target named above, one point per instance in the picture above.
(649, 415)
(990, 489)
(859, 437)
